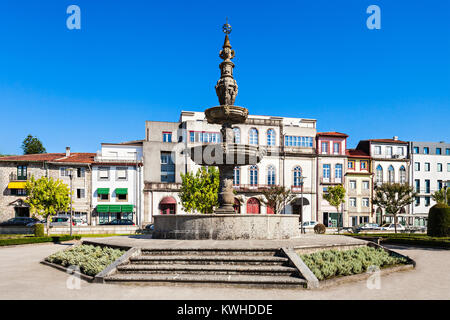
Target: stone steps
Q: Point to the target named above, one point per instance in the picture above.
(211, 251)
(199, 259)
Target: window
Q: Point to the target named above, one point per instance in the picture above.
(326, 171)
(167, 136)
(81, 193)
(400, 151)
(351, 164)
(417, 201)
(192, 136)
(270, 137)
(167, 168)
(324, 147)
(254, 175)
(416, 149)
(417, 183)
(122, 197)
(439, 185)
(438, 151)
(391, 174)
(427, 186)
(237, 176)
(353, 184)
(448, 167)
(253, 136)
(389, 151)
(365, 185)
(447, 151)
(427, 201)
(63, 172)
(352, 202)
(363, 165)
(271, 175)
(377, 150)
(237, 135)
(402, 174)
(21, 172)
(295, 141)
(338, 171)
(121, 173)
(426, 150)
(18, 192)
(379, 174)
(204, 137)
(336, 147)
(297, 175)
(416, 166)
(81, 172)
(427, 166)
(103, 197)
(103, 173)
(439, 167)
(365, 202)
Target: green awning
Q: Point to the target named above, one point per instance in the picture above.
(103, 191)
(122, 191)
(127, 208)
(102, 208)
(114, 208)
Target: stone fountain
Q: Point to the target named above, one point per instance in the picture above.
(224, 224)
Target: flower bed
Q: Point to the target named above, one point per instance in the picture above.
(91, 259)
(333, 263)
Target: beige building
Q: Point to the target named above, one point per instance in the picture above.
(15, 170)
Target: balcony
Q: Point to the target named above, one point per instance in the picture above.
(330, 180)
(14, 177)
(162, 186)
(262, 187)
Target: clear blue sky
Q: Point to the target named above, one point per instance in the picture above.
(147, 60)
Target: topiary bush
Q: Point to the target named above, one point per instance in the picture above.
(320, 228)
(38, 230)
(439, 221)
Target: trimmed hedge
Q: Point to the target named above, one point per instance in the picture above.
(439, 221)
(407, 239)
(28, 240)
(38, 230)
(320, 228)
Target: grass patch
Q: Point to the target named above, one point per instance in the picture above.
(406, 238)
(32, 239)
(91, 259)
(328, 264)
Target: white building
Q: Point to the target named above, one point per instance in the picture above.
(117, 182)
(430, 171)
(290, 147)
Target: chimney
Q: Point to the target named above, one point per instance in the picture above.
(67, 151)
(395, 138)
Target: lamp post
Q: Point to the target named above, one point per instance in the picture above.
(70, 170)
(301, 180)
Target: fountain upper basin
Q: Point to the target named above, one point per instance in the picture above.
(226, 114)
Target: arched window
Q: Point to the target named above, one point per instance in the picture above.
(237, 176)
(237, 135)
(237, 206)
(253, 136)
(270, 137)
(402, 174)
(297, 175)
(271, 175)
(253, 175)
(391, 174)
(379, 174)
(167, 205)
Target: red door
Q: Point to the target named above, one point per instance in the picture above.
(269, 210)
(253, 206)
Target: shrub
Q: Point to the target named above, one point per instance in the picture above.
(29, 240)
(38, 230)
(439, 221)
(320, 228)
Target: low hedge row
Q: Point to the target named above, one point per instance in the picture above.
(408, 239)
(28, 240)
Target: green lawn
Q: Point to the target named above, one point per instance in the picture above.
(15, 239)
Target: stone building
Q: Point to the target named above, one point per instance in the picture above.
(288, 143)
(15, 170)
(331, 163)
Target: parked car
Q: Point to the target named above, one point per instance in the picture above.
(58, 221)
(18, 221)
(150, 227)
(119, 222)
(391, 227)
(79, 222)
(367, 226)
(308, 225)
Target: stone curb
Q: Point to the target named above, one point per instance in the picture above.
(100, 277)
(294, 259)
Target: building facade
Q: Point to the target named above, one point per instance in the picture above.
(117, 183)
(331, 163)
(288, 144)
(430, 172)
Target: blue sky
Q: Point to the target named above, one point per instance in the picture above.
(147, 60)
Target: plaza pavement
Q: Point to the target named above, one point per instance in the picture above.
(23, 277)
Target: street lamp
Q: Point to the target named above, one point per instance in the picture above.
(301, 181)
(70, 171)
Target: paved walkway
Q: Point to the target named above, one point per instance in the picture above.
(303, 241)
(23, 277)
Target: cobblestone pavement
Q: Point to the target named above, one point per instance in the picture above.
(23, 277)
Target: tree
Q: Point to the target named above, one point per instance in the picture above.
(199, 191)
(335, 197)
(46, 197)
(393, 197)
(439, 196)
(276, 197)
(32, 145)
